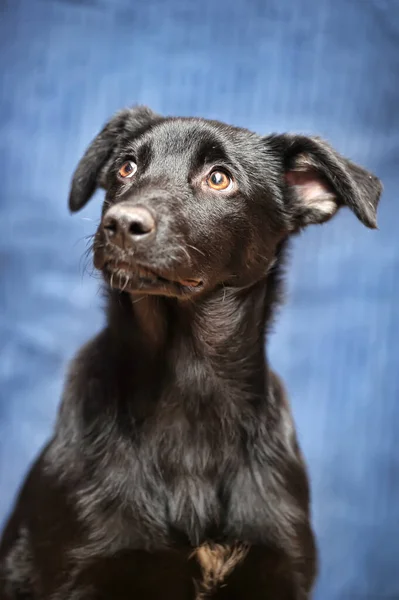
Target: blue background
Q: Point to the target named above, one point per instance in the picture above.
(329, 67)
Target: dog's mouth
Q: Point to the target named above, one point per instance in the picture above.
(138, 278)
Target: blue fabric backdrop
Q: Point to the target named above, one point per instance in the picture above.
(329, 67)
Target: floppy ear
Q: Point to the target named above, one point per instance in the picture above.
(319, 181)
(88, 174)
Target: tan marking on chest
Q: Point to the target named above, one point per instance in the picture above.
(217, 561)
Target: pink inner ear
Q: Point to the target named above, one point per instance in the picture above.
(309, 186)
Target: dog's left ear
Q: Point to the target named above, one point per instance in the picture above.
(319, 181)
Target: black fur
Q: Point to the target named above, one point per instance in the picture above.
(173, 431)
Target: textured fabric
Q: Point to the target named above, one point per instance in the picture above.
(329, 67)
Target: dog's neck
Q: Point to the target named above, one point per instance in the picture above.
(219, 324)
(217, 341)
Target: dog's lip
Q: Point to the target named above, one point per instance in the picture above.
(142, 271)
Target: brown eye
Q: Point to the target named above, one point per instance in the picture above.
(219, 181)
(128, 169)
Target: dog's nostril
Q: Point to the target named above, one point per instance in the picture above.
(139, 228)
(140, 222)
(111, 226)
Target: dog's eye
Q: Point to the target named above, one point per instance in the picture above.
(219, 181)
(128, 169)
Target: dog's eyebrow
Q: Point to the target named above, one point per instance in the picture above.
(141, 152)
(210, 151)
(144, 154)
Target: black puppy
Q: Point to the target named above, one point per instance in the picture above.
(174, 471)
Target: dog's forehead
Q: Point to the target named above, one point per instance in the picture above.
(192, 139)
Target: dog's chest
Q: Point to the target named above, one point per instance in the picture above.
(187, 477)
(194, 464)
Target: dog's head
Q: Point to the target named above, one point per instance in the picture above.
(192, 204)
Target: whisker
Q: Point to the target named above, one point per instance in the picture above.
(126, 283)
(186, 253)
(85, 260)
(196, 249)
(89, 237)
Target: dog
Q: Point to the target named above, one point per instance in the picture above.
(174, 471)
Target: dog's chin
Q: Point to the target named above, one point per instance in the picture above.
(140, 279)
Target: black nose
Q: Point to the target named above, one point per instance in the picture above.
(124, 225)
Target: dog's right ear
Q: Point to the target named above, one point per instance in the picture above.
(87, 177)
